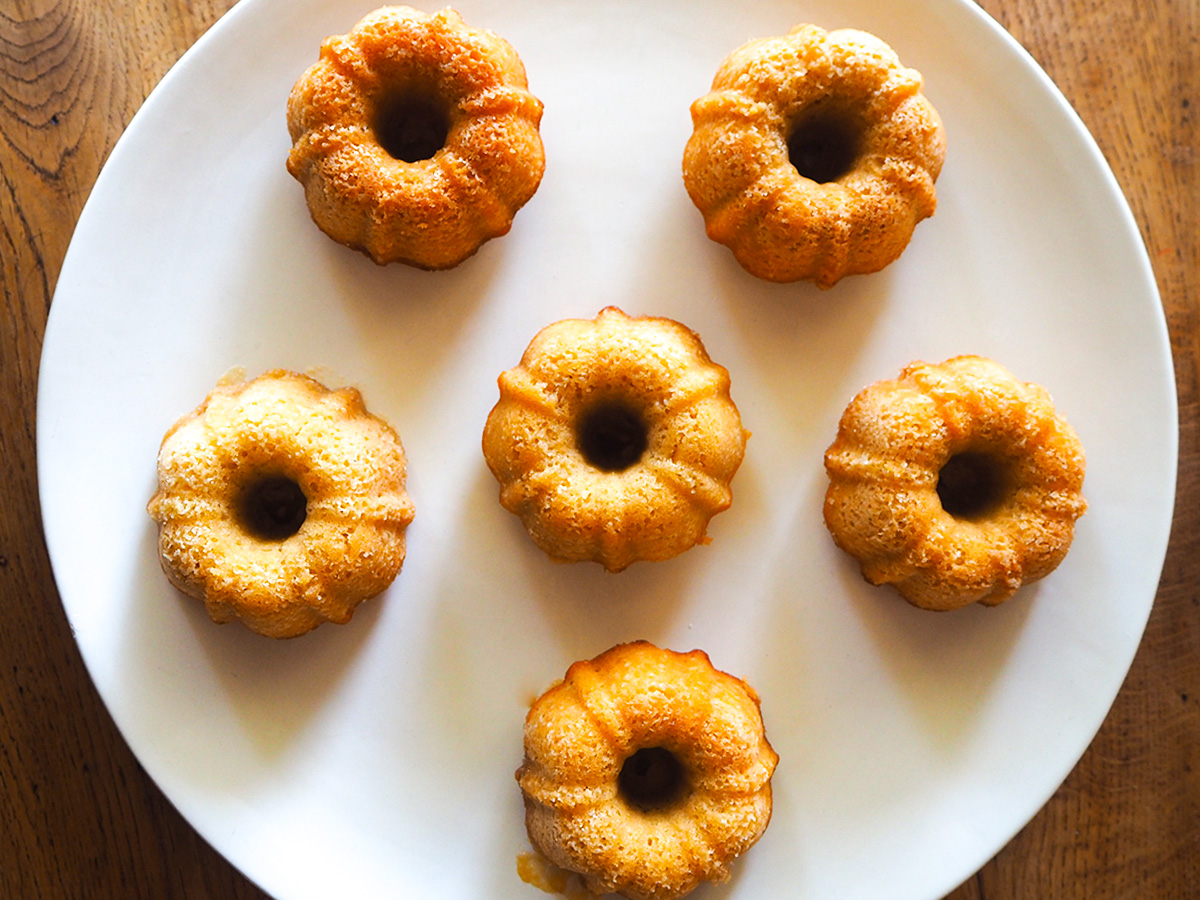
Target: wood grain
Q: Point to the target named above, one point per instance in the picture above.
(1126, 823)
(78, 816)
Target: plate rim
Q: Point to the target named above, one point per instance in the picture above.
(233, 18)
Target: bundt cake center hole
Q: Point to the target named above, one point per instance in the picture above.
(971, 484)
(825, 144)
(273, 508)
(651, 779)
(411, 127)
(611, 435)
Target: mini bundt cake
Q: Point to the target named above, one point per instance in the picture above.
(814, 156)
(955, 483)
(615, 439)
(281, 503)
(415, 137)
(646, 771)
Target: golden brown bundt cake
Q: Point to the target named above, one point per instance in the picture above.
(955, 482)
(646, 771)
(415, 137)
(281, 503)
(615, 439)
(814, 155)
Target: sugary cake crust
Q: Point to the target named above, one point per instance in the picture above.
(780, 225)
(581, 731)
(883, 505)
(659, 506)
(349, 465)
(435, 212)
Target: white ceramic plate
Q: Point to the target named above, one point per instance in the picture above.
(376, 760)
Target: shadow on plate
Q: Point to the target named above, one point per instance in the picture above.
(175, 658)
(294, 284)
(945, 664)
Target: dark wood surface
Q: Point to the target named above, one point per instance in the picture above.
(78, 816)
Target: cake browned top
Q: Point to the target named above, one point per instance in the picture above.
(814, 155)
(954, 482)
(615, 439)
(647, 771)
(415, 136)
(281, 503)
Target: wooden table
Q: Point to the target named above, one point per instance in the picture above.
(78, 816)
